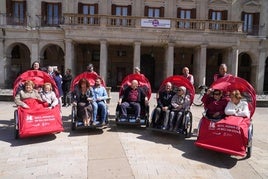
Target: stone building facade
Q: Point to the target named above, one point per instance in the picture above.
(159, 36)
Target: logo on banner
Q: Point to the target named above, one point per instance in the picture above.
(29, 118)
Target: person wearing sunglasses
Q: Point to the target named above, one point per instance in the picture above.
(214, 103)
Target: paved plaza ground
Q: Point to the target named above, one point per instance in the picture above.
(124, 152)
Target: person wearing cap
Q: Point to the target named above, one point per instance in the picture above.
(179, 102)
(214, 103)
(163, 106)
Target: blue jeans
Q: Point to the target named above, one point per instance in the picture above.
(102, 106)
(135, 105)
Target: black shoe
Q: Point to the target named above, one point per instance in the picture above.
(138, 120)
(64, 105)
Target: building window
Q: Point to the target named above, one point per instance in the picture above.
(154, 12)
(51, 14)
(183, 15)
(217, 16)
(89, 11)
(16, 12)
(250, 23)
(121, 12)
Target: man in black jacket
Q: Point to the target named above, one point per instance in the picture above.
(162, 110)
(66, 83)
(132, 96)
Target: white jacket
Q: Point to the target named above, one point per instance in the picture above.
(241, 109)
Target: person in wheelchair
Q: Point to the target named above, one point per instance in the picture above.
(162, 110)
(214, 104)
(27, 92)
(236, 106)
(132, 96)
(100, 96)
(180, 103)
(82, 98)
(49, 96)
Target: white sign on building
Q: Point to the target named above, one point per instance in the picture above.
(156, 23)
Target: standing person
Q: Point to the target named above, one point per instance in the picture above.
(57, 78)
(66, 84)
(35, 66)
(187, 75)
(137, 70)
(163, 106)
(90, 68)
(222, 72)
(50, 71)
(99, 101)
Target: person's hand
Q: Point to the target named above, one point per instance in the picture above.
(90, 99)
(74, 104)
(164, 108)
(210, 90)
(25, 106)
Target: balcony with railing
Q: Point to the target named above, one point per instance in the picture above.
(130, 22)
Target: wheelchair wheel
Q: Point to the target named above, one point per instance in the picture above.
(73, 116)
(188, 124)
(250, 136)
(16, 124)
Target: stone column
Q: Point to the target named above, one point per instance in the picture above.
(169, 59)
(202, 65)
(260, 72)
(69, 56)
(103, 59)
(233, 61)
(137, 54)
(2, 64)
(35, 53)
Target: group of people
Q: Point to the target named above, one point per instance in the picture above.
(169, 111)
(90, 99)
(171, 106)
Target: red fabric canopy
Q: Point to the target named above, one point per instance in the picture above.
(177, 81)
(142, 80)
(90, 76)
(230, 83)
(38, 77)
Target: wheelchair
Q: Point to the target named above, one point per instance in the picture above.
(144, 84)
(38, 120)
(232, 135)
(76, 121)
(186, 120)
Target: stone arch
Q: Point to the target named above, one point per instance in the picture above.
(52, 55)
(18, 60)
(245, 66)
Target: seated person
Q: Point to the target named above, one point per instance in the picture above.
(236, 106)
(132, 96)
(180, 102)
(214, 104)
(100, 97)
(49, 96)
(163, 106)
(82, 98)
(27, 92)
